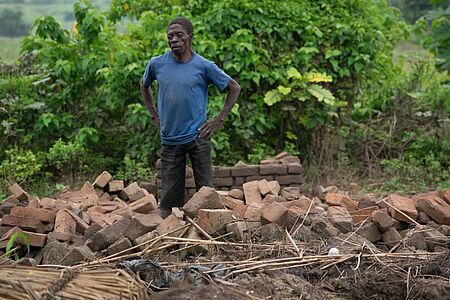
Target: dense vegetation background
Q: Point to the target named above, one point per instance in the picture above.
(326, 80)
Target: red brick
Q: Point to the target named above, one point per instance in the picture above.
(340, 218)
(290, 160)
(18, 192)
(223, 181)
(264, 187)
(274, 187)
(271, 198)
(446, 196)
(214, 221)
(281, 155)
(239, 231)
(251, 193)
(34, 225)
(391, 237)
(240, 209)
(64, 222)
(289, 179)
(239, 181)
(229, 202)
(132, 192)
(141, 224)
(115, 186)
(81, 226)
(244, 171)
(78, 255)
(403, 204)
(105, 237)
(362, 214)
(370, 232)
(169, 224)
(221, 171)
(290, 193)
(33, 203)
(120, 245)
(341, 200)
(295, 169)
(382, 219)
(34, 239)
(102, 180)
(86, 197)
(72, 239)
(145, 204)
(236, 194)
(436, 208)
(205, 198)
(253, 212)
(274, 213)
(303, 202)
(271, 232)
(34, 213)
(269, 162)
(273, 170)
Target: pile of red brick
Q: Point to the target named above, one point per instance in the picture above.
(106, 217)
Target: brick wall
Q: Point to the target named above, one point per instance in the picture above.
(286, 169)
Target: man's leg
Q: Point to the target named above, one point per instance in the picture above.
(173, 168)
(200, 155)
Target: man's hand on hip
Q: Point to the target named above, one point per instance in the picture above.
(210, 127)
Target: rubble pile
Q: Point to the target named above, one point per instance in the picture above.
(107, 217)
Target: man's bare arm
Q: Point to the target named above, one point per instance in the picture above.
(148, 100)
(210, 127)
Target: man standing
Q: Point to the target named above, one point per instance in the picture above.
(183, 78)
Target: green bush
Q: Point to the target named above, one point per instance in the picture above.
(20, 166)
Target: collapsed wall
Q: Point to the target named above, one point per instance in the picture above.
(284, 168)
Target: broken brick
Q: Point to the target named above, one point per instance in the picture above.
(341, 200)
(370, 232)
(64, 222)
(169, 224)
(115, 186)
(391, 237)
(34, 225)
(405, 205)
(362, 214)
(436, 208)
(214, 221)
(264, 187)
(18, 192)
(252, 193)
(239, 231)
(274, 213)
(141, 224)
(78, 255)
(119, 246)
(108, 235)
(340, 218)
(382, 219)
(72, 239)
(102, 180)
(205, 198)
(34, 213)
(290, 193)
(33, 239)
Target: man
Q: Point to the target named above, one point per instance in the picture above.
(183, 78)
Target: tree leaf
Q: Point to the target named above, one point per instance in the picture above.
(284, 90)
(294, 73)
(318, 77)
(272, 97)
(320, 93)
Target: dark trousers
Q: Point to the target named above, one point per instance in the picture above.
(173, 170)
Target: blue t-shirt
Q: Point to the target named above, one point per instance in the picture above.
(182, 94)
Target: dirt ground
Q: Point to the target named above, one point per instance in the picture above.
(396, 279)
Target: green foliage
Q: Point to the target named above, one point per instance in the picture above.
(132, 170)
(12, 240)
(19, 165)
(67, 158)
(317, 80)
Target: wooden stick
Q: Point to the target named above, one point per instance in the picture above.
(199, 228)
(402, 213)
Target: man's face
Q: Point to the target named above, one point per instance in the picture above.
(178, 38)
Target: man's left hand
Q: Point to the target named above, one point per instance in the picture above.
(209, 128)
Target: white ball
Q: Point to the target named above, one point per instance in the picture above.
(333, 251)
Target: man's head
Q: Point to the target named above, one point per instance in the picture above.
(179, 35)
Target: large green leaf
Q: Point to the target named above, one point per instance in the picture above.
(272, 97)
(321, 93)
